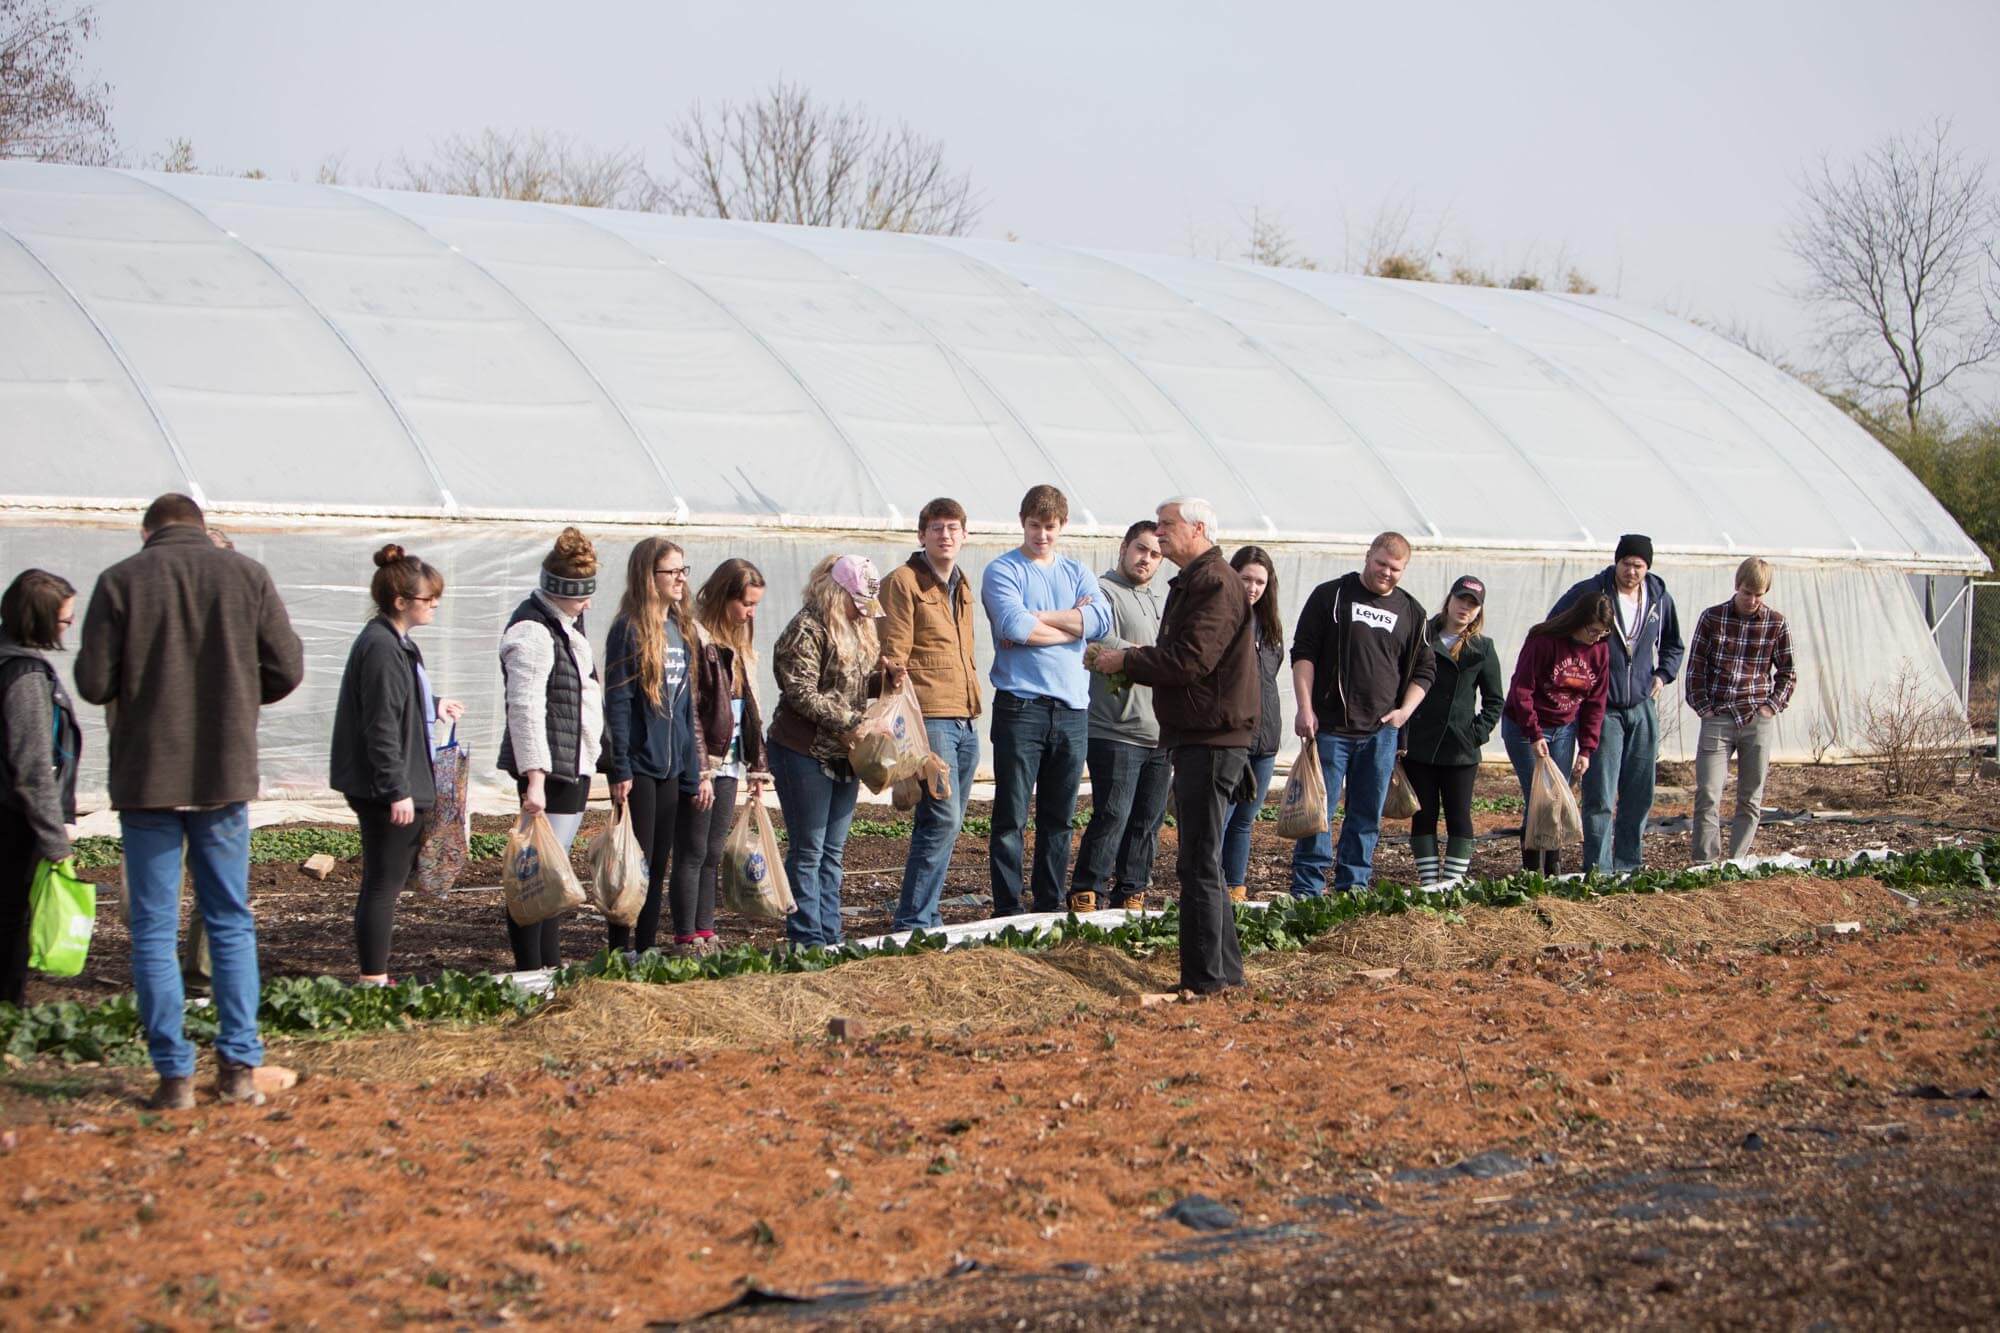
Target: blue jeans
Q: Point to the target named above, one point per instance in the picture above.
(1242, 819)
(1620, 779)
(1038, 747)
(1128, 800)
(1521, 751)
(1362, 765)
(817, 811)
(218, 852)
(956, 741)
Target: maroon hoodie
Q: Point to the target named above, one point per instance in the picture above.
(1558, 681)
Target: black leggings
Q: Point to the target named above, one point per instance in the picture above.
(1450, 784)
(388, 856)
(540, 945)
(698, 861)
(656, 810)
(19, 859)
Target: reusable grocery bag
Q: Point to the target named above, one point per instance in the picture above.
(753, 875)
(538, 880)
(1401, 802)
(1553, 822)
(446, 843)
(889, 744)
(1303, 813)
(618, 870)
(62, 912)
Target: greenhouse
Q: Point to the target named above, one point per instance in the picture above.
(326, 368)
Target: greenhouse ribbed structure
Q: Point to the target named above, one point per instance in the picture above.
(328, 367)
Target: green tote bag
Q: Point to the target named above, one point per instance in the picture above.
(62, 912)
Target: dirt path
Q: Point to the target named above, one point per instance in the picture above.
(652, 1191)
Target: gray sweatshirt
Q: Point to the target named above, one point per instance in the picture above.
(1135, 623)
(38, 724)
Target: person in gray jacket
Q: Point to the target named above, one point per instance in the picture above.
(39, 747)
(1130, 774)
(1646, 655)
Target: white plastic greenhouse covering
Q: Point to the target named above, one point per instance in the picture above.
(326, 368)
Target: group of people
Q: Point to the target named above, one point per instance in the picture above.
(185, 641)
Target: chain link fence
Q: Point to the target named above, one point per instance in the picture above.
(1982, 657)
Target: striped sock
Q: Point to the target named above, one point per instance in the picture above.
(1457, 857)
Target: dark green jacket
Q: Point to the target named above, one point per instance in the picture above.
(1462, 707)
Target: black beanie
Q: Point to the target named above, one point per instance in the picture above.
(1633, 543)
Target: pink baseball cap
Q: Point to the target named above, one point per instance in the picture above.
(856, 574)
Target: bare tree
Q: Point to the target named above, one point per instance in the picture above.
(786, 157)
(49, 112)
(522, 164)
(1894, 245)
(1268, 241)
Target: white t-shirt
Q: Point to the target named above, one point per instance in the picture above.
(1631, 614)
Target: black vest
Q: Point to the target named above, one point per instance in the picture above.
(565, 696)
(65, 739)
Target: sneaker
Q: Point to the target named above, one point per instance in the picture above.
(1130, 902)
(173, 1094)
(1083, 901)
(1239, 893)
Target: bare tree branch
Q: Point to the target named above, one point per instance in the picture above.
(786, 157)
(1897, 246)
(533, 165)
(46, 113)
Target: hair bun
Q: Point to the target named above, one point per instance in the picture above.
(573, 556)
(387, 555)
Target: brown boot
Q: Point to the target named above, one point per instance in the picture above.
(173, 1094)
(1238, 893)
(1131, 902)
(245, 1084)
(1083, 901)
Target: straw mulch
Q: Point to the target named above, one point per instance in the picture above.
(1731, 916)
(969, 990)
(609, 1022)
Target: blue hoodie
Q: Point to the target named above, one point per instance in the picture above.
(657, 743)
(1658, 649)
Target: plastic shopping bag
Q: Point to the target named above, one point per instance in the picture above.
(618, 870)
(446, 843)
(538, 881)
(1401, 802)
(753, 875)
(62, 911)
(1553, 821)
(931, 777)
(1303, 812)
(890, 744)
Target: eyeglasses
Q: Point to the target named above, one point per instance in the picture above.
(676, 572)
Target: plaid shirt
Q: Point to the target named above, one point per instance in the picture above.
(1738, 664)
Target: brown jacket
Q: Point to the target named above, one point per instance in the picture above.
(929, 630)
(1203, 669)
(182, 644)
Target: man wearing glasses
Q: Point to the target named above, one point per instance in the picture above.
(926, 628)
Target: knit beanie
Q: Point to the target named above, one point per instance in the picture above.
(570, 570)
(1633, 543)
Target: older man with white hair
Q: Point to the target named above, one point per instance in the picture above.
(1203, 670)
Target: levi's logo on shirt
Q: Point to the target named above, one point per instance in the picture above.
(1376, 616)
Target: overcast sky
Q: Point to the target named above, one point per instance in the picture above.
(1656, 145)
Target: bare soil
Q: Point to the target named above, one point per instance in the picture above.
(1719, 1137)
(305, 926)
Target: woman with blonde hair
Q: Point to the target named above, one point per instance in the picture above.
(554, 733)
(825, 661)
(658, 755)
(725, 625)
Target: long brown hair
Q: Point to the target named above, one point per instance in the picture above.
(1583, 613)
(731, 580)
(646, 612)
(1270, 624)
(1473, 627)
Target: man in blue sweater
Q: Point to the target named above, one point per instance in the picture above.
(1645, 655)
(1043, 608)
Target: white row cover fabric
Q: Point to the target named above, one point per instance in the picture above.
(1855, 626)
(314, 349)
